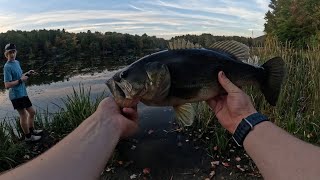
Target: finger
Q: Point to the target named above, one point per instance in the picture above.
(129, 110)
(226, 83)
(212, 103)
(220, 101)
(130, 113)
(135, 107)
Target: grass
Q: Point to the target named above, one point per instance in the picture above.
(76, 108)
(298, 107)
(297, 111)
(11, 152)
(206, 126)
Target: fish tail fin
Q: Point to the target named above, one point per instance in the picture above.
(274, 70)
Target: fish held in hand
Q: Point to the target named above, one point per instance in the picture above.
(187, 73)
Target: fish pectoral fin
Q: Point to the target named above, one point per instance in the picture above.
(185, 114)
(237, 49)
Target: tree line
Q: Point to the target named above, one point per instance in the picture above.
(297, 21)
(52, 43)
(60, 43)
(206, 40)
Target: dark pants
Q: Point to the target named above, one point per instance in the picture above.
(21, 103)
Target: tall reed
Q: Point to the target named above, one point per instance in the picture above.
(11, 151)
(298, 107)
(76, 108)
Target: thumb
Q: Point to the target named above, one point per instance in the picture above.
(212, 103)
(226, 83)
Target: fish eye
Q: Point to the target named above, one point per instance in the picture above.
(123, 74)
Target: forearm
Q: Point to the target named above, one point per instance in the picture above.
(279, 155)
(81, 155)
(11, 84)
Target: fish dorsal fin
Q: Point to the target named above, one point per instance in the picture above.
(238, 50)
(185, 114)
(182, 44)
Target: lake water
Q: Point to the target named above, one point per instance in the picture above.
(48, 96)
(57, 79)
(164, 149)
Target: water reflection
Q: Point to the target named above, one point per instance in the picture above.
(62, 69)
(57, 79)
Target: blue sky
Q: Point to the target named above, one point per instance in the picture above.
(162, 18)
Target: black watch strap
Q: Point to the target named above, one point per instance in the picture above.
(246, 125)
(20, 81)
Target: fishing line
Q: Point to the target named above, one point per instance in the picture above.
(42, 66)
(35, 70)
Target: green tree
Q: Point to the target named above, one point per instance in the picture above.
(293, 20)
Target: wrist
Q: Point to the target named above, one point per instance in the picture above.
(19, 81)
(246, 125)
(108, 122)
(239, 119)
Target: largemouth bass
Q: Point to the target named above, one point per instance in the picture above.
(186, 73)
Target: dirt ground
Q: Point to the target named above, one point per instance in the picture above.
(159, 151)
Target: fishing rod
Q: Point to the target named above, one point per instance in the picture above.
(42, 66)
(30, 73)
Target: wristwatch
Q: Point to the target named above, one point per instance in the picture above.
(246, 125)
(20, 81)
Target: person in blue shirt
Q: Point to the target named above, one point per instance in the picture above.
(14, 80)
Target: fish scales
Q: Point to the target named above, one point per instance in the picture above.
(188, 73)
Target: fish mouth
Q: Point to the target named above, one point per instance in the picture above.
(115, 88)
(119, 94)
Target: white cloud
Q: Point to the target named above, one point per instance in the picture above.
(251, 18)
(263, 4)
(4, 19)
(136, 8)
(249, 14)
(152, 17)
